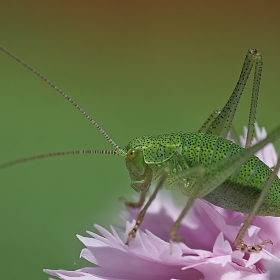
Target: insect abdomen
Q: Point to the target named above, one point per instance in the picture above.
(240, 191)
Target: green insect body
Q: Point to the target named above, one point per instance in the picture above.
(202, 164)
(182, 151)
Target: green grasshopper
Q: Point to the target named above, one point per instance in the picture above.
(202, 164)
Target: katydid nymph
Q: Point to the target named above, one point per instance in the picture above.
(203, 164)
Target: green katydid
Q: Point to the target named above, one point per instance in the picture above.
(202, 164)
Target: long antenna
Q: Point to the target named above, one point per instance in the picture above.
(109, 139)
(78, 152)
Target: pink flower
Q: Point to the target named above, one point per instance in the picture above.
(207, 252)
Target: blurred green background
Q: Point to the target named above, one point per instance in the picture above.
(137, 67)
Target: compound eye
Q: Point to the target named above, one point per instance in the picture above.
(131, 154)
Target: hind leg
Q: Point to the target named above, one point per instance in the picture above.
(239, 238)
